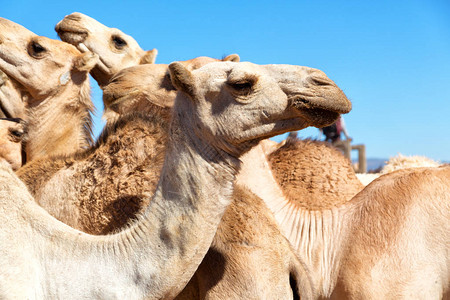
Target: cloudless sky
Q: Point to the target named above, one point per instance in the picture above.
(391, 58)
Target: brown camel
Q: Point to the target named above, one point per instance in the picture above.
(12, 98)
(325, 225)
(396, 238)
(58, 109)
(118, 50)
(12, 134)
(115, 154)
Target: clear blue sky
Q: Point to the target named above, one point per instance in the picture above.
(391, 58)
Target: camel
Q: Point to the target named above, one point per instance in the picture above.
(12, 134)
(94, 171)
(398, 162)
(323, 174)
(58, 109)
(325, 226)
(144, 87)
(395, 238)
(118, 49)
(12, 98)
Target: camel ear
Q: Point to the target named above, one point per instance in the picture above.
(149, 57)
(182, 79)
(232, 57)
(86, 61)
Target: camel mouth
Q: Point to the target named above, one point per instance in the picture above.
(319, 111)
(73, 38)
(71, 34)
(6, 110)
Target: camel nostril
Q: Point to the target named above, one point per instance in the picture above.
(304, 101)
(321, 81)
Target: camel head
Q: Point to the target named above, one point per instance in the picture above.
(12, 134)
(250, 102)
(115, 49)
(142, 87)
(12, 98)
(42, 66)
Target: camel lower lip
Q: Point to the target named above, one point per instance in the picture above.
(319, 116)
(73, 37)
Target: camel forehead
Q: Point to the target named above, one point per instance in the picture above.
(81, 23)
(198, 62)
(225, 69)
(14, 30)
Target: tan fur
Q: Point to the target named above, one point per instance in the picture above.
(399, 237)
(58, 107)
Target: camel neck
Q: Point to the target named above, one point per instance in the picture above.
(58, 127)
(316, 235)
(158, 254)
(193, 192)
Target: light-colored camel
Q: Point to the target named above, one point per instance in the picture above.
(124, 94)
(118, 149)
(12, 134)
(142, 87)
(55, 74)
(314, 174)
(118, 50)
(398, 162)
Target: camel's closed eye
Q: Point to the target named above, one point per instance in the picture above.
(244, 85)
(119, 43)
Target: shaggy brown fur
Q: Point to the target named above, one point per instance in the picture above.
(113, 177)
(314, 175)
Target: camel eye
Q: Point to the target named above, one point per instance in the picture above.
(36, 50)
(16, 135)
(243, 86)
(119, 43)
